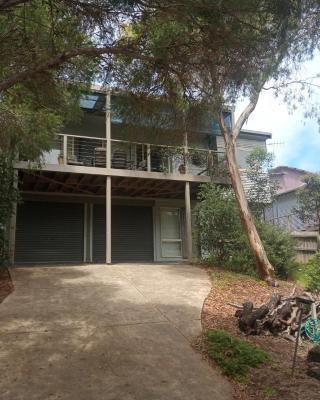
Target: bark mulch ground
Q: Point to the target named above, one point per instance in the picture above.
(6, 285)
(272, 380)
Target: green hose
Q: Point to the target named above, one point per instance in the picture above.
(312, 330)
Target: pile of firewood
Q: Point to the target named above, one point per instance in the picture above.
(279, 316)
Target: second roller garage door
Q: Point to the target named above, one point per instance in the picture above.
(132, 234)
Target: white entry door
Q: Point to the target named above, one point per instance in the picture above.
(170, 233)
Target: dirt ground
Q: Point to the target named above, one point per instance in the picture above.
(271, 381)
(6, 286)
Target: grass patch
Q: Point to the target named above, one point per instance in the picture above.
(223, 278)
(234, 356)
(270, 392)
(227, 276)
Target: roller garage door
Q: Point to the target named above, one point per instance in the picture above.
(132, 233)
(49, 233)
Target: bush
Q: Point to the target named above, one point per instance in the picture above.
(222, 241)
(234, 356)
(8, 195)
(312, 273)
(217, 223)
(279, 246)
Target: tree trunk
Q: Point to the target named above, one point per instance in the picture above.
(263, 265)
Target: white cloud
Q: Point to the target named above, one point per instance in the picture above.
(295, 141)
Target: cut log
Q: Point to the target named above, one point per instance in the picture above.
(249, 318)
(278, 322)
(285, 311)
(292, 319)
(278, 316)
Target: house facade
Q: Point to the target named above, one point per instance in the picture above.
(107, 194)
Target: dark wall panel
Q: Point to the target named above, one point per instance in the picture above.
(49, 233)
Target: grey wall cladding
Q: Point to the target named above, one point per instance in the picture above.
(132, 233)
(49, 233)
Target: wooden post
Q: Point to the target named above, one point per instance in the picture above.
(108, 220)
(12, 225)
(108, 128)
(188, 222)
(65, 149)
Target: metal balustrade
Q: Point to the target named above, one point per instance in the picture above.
(92, 152)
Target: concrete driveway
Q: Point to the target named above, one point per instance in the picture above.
(117, 332)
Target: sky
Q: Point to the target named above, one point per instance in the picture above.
(295, 141)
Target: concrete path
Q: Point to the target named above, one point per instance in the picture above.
(117, 332)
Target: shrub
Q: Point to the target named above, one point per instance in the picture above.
(223, 243)
(234, 356)
(312, 273)
(8, 195)
(217, 222)
(279, 246)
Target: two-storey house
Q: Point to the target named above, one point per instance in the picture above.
(107, 194)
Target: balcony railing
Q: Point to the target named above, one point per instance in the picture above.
(92, 152)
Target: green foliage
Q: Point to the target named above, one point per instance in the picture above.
(312, 273)
(270, 392)
(32, 111)
(222, 241)
(217, 222)
(8, 195)
(279, 246)
(30, 119)
(262, 189)
(308, 209)
(217, 51)
(234, 356)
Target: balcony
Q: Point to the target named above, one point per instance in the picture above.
(85, 151)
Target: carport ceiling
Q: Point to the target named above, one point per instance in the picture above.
(69, 183)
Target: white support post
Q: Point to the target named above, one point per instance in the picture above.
(65, 149)
(185, 150)
(85, 232)
(108, 128)
(188, 222)
(108, 220)
(91, 232)
(148, 158)
(12, 224)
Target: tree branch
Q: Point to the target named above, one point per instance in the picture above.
(5, 5)
(300, 82)
(56, 61)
